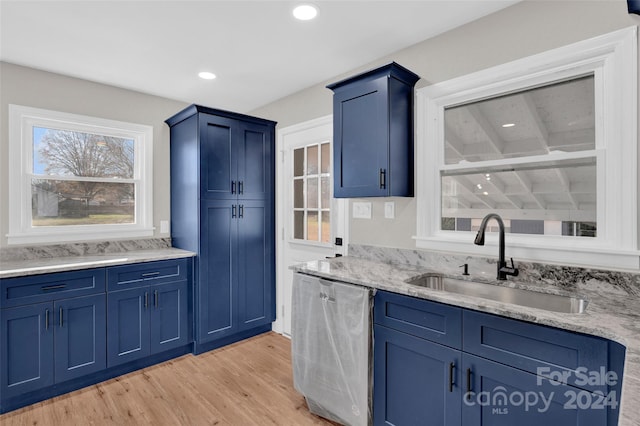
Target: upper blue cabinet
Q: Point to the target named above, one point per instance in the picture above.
(373, 133)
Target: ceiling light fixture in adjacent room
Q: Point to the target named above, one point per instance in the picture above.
(206, 75)
(305, 12)
(508, 125)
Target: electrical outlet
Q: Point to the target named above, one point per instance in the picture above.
(164, 226)
(389, 210)
(361, 210)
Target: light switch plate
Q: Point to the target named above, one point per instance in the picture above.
(361, 210)
(389, 210)
(164, 226)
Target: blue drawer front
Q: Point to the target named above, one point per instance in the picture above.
(47, 287)
(537, 349)
(144, 274)
(433, 321)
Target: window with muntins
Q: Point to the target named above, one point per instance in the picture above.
(549, 142)
(79, 178)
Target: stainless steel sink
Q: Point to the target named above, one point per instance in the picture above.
(516, 296)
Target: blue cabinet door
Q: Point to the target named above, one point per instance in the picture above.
(256, 280)
(218, 153)
(169, 316)
(505, 396)
(255, 158)
(80, 336)
(361, 137)
(217, 283)
(27, 349)
(128, 325)
(416, 382)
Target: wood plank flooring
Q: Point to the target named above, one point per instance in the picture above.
(247, 383)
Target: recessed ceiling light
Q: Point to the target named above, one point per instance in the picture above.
(479, 186)
(508, 125)
(206, 75)
(305, 12)
(485, 193)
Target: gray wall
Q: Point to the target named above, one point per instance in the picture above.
(39, 89)
(521, 30)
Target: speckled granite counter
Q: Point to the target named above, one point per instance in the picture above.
(23, 261)
(612, 313)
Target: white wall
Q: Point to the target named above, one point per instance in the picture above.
(39, 89)
(521, 30)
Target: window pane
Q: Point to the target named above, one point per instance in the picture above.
(326, 227)
(298, 193)
(536, 198)
(325, 193)
(59, 203)
(68, 153)
(554, 118)
(298, 225)
(312, 193)
(298, 162)
(312, 226)
(326, 160)
(312, 160)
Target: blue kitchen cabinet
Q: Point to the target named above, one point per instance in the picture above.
(225, 212)
(148, 310)
(240, 291)
(373, 133)
(27, 349)
(128, 325)
(53, 329)
(416, 381)
(499, 395)
(495, 370)
(80, 343)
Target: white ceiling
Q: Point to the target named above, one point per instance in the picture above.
(258, 50)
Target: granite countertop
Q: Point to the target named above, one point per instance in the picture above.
(611, 313)
(24, 267)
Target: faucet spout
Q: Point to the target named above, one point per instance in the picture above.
(503, 270)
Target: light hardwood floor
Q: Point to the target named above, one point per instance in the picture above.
(247, 383)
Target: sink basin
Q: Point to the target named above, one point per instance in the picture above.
(516, 296)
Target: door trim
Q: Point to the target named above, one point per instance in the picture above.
(281, 208)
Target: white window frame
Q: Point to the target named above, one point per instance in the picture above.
(612, 59)
(22, 119)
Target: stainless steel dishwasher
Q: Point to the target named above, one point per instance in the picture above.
(331, 339)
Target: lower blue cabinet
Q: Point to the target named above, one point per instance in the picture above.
(52, 342)
(416, 382)
(146, 320)
(499, 395)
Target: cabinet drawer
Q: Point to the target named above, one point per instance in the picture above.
(538, 349)
(47, 287)
(429, 320)
(143, 274)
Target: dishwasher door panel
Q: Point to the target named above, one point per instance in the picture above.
(330, 334)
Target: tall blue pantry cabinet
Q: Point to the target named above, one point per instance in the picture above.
(223, 209)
